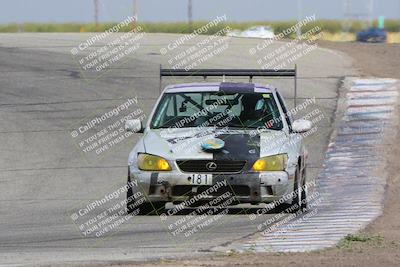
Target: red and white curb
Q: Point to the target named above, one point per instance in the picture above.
(350, 188)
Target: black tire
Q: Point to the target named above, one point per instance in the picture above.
(147, 208)
(296, 202)
(304, 192)
(129, 196)
(151, 208)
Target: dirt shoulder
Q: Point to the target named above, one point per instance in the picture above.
(379, 243)
(380, 60)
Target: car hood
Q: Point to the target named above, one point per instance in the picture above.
(185, 143)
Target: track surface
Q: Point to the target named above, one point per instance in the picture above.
(43, 176)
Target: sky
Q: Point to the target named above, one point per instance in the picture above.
(19, 11)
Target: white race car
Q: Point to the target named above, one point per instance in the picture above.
(205, 139)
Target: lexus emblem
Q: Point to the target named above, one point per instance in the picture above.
(211, 166)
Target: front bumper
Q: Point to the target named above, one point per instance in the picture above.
(249, 187)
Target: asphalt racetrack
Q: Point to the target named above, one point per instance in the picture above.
(44, 176)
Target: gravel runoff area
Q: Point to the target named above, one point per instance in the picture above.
(379, 243)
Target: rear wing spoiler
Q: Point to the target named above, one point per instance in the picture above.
(231, 73)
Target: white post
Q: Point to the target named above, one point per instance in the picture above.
(96, 14)
(371, 12)
(135, 14)
(190, 14)
(299, 16)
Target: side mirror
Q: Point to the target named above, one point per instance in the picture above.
(134, 126)
(301, 126)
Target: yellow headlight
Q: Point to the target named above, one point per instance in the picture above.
(271, 163)
(148, 162)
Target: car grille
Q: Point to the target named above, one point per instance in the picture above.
(235, 190)
(200, 166)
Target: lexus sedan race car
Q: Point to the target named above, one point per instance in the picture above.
(205, 139)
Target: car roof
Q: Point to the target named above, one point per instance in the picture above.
(220, 86)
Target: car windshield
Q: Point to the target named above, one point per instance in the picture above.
(219, 109)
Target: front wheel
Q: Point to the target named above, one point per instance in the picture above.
(143, 208)
(147, 208)
(304, 193)
(297, 193)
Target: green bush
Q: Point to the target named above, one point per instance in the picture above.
(332, 26)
